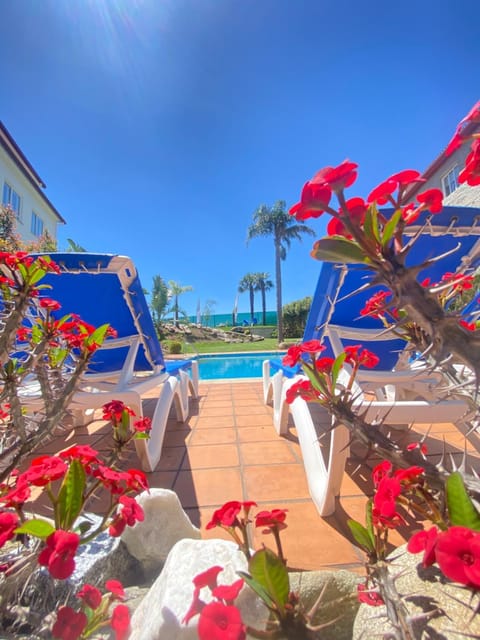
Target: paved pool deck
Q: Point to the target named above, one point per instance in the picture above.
(229, 450)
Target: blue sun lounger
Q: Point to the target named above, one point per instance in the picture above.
(104, 288)
(335, 319)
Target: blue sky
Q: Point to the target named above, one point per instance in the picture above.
(159, 126)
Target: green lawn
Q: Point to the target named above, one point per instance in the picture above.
(269, 344)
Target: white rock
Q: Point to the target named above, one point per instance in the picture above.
(160, 614)
(165, 524)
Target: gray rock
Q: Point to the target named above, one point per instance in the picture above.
(339, 603)
(160, 614)
(164, 525)
(426, 590)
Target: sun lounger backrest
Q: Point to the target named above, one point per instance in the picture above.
(104, 288)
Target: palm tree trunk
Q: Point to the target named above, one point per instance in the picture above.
(264, 307)
(252, 304)
(278, 279)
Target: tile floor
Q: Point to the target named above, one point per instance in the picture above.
(229, 450)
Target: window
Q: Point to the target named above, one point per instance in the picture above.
(37, 225)
(11, 197)
(450, 181)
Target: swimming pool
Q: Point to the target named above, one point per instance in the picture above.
(223, 366)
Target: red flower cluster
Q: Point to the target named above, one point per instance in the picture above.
(456, 551)
(295, 352)
(130, 513)
(114, 411)
(59, 554)
(388, 488)
(317, 192)
(359, 357)
(471, 173)
(459, 138)
(274, 519)
(220, 619)
(377, 305)
(227, 515)
(302, 389)
(71, 624)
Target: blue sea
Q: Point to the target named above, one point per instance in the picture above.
(225, 319)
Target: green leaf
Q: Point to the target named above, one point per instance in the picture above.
(70, 497)
(338, 249)
(269, 572)
(259, 590)
(370, 225)
(141, 435)
(390, 227)
(336, 367)
(361, 535)
(37, 528)
(461, 509)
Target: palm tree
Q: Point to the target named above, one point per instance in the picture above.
(159, 299)
(249, 283)
(277, 222)
(174, 291)
(264, 285)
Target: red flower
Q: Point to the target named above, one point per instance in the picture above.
(363, 357)
(376, 305)
(367, 596)
(302, 389)
(411, 213)
(59, 553)
(228, 593)
(207, 578)
(116, 589)
(406, 177)
(114, 410)
(69, 624)
(335, 227)
(470, 326)
(48, 303)
(458, 555)
(410, 475)
(472, 116)
(312, 346)
(195, 608)
(17, 496)
(90, 596)
(424, 541)
(220, 622)
(226, 516)
(313, 201)
(82, 452)
(271, 519)
(388, 490)
(471, 173)
(120, 621)
(8, 524)
(381, 193)
(128, 515)
(45, 469)
(337, 178)
(291, 358)
(380, 471)
(432, 199)
(136, 480)
(143, 424)
(324, 365)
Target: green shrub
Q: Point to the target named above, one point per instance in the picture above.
(175, 347)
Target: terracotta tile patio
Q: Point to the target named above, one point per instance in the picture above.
(229, 450)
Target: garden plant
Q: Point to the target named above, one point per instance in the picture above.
(43, 359)
(405, 482)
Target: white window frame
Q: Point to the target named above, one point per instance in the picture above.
(8, 201)
(447, 180)
(37, 225)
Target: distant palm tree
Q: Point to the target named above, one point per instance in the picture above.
(174, 291)
(277, 222)
(249, 283)
(264, 285)
(74, 246)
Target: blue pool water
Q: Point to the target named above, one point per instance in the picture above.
(224, 366)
